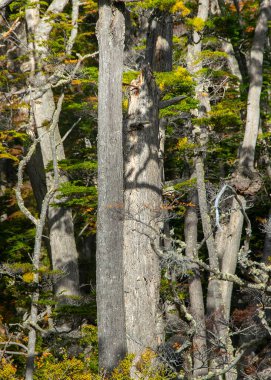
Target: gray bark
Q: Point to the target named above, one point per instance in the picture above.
(231, 58)
(110, 299)
(200, 366)
(159, 41)
(214, 299)
(64, 255)
(267, 241)
(255, 88)
(195, 288)
(142, 215)
(39, 224)
(4, 3)
(232, 246)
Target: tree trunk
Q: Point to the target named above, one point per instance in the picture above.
(232, 245)
(255, 88)
(159, 41)
(61, 234)
(110, 299)
(200, 361)
(195, 288)
(142, 214)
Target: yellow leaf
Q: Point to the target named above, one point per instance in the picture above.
(28, 277)
(180, 7)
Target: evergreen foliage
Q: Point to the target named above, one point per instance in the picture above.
(64, 356)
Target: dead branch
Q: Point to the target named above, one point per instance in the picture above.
(171, 102)
(14, 25)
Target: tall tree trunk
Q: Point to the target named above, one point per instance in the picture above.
(255, 88)
(61, 233)
(247, 178)
(110, 291)
(142, 214)
(195, 288)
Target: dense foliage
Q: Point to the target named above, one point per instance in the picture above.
(214, 135)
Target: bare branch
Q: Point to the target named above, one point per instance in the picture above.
(171, 102)
(11, 29)
(11, 343)
(70, 130)
(21, 168)
(13, 353)
(56, 80)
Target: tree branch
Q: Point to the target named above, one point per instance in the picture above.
(171, 102)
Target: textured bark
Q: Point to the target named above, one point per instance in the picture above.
(142, 214)
(267, 242)
(195, 288)
(61, 233)
(255, 88)
(64, 255)
(110, 301)
(4, 3)
(232, 61)
(200, 360)
(232, 245)
(159, 52)
(159, 41)
(214, 300)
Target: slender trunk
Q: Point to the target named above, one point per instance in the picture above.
(110, 299)
(64, 255)
(61, 232)
(200, 361)
(267, 241)
(214, 301)
(255, 88)
(232, 246)
(142, 214)
(195, 288)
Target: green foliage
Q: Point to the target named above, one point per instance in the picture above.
(90, 339)
(17, 232)
(10, 144)
(177, 81)
(174, 6)
(7, 370)
(69, 368)
(224, 116)
(195, 23)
